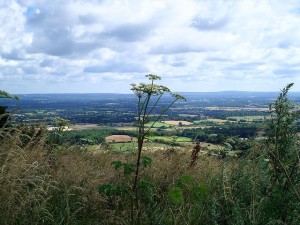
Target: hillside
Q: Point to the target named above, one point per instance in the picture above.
(62, 176)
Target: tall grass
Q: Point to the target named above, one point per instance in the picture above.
(42, 185)
(25, 184)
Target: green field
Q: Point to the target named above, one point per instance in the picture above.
(127, 147)
(210, 146)
(217, 121)
(157, 125)
(170, 139)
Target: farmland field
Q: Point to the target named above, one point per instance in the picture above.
(176, 122)
(157, 125)
(85, 126)
(120, 138)
(217, 121)
(131, 146)
(170, 139)
(187, 115)
(127, 128)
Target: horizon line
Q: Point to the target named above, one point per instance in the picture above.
(187, 92)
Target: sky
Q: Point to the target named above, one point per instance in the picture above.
(102, 46)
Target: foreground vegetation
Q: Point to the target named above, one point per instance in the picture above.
(44, 180)
(40, 185)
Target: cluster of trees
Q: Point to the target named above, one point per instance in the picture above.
(94, 136)
(218, 134)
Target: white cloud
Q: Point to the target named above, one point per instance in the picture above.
(104, 45)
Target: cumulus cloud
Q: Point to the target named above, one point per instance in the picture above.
(103, 45)
(117, 67)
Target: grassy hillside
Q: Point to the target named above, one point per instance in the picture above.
(43, 184)
(45, 178)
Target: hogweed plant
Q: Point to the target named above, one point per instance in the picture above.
(149, 96)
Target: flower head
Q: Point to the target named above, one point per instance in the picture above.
(178, 96)
(153, 77)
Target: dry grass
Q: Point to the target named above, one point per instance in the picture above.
(119, 138)
(176, 122)
(24, 180)
(43, 185)
(168, 166)
(86, 126)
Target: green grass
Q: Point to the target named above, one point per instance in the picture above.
(157, 125)
(216, 121)
(170, 139)
(129, 146)
(125, 147)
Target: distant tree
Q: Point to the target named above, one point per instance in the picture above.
(4, 115)
(60, 126)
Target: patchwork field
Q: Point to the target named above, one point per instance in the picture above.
(148, 146)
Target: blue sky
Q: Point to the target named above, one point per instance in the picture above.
(94, 46)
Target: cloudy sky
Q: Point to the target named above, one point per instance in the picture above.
(89, 46)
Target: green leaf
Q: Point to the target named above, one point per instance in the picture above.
(199, 193)
(146, 161)
(185, 181)
(149, 133)
(122, 188)
(146, 184)
(107, 189)
(128, 168)
(176, 196)
(117, 164)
